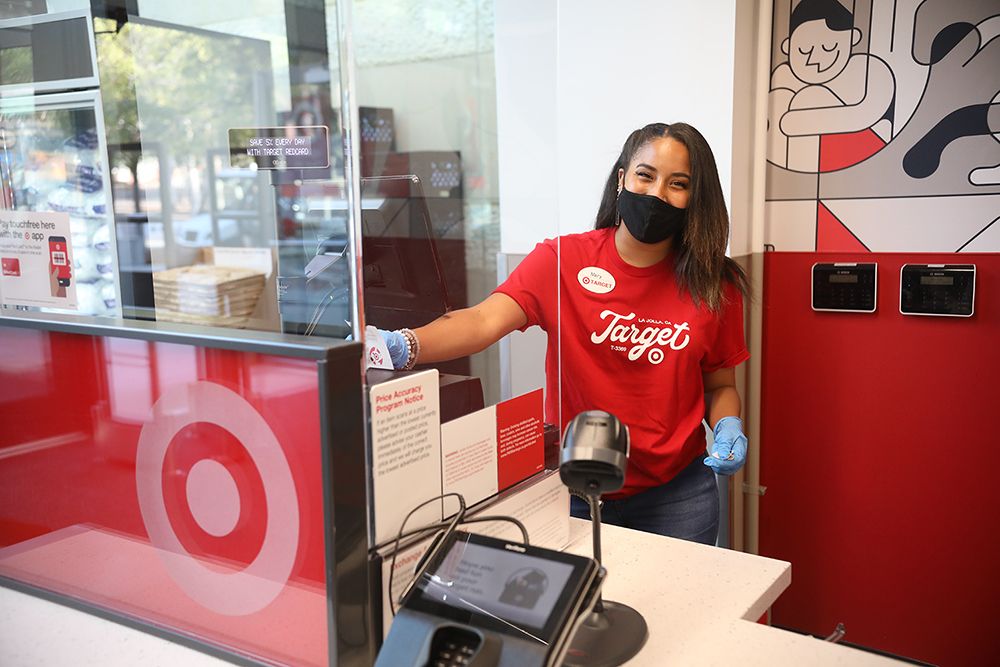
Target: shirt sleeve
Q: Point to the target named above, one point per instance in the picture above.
(532, 284)
(729, 348)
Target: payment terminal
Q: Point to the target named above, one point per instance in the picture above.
(485, 602)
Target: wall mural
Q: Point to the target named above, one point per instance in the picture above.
(884, 126)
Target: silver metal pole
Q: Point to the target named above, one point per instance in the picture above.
(351, 132)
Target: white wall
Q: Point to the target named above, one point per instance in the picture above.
(525, 48)
(574, 77)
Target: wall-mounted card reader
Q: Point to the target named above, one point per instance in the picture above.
(937, 289)
(484, 602)
(845, 287)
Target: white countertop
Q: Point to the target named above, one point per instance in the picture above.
(38, 633)
(701, 604)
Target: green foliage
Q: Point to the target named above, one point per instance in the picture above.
(179, 90)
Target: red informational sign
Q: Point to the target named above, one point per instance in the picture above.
(174, 483)
(520, 440)
(11, 266)
(59, 259)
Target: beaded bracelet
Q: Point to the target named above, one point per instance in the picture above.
(412, 348)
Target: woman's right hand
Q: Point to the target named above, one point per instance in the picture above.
(457, 334)
(396, 344)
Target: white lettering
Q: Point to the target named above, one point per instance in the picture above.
(620, 329)
(595, 338)
(677, 331)
(642, 342)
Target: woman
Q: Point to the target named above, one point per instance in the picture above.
(646, 323)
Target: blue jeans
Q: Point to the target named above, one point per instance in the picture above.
(686, 507)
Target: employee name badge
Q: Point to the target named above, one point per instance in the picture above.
(376, 352)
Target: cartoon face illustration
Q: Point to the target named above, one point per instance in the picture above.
(817, 53)
(875, 114)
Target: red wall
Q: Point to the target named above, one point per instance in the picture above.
(880, 444)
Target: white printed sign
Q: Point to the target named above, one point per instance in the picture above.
(406, 452)
(36, 255)
(469, 455)
(543, 508)
(405, 565)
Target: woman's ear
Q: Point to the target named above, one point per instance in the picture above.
(621, 178)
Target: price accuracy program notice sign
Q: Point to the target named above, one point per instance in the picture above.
(286, 147)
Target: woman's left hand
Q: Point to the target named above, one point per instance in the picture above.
(729, 451)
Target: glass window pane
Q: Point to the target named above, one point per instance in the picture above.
(426, 90)
(211, 234)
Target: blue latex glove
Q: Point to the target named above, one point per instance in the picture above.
(396, 344)
(729, 451)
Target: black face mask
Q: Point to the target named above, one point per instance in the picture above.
(649, 219)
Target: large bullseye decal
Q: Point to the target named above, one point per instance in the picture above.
(213, 498)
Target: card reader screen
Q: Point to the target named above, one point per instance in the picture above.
(517, 588)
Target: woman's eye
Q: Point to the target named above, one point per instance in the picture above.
(680, 184)
(642, 174)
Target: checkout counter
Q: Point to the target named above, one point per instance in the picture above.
(701, 604)
(104, 578)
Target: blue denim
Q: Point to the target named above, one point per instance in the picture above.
(686, 507)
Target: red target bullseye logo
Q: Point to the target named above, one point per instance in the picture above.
(213, 497)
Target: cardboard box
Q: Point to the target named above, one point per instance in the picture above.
(207, 295)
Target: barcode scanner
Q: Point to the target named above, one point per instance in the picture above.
(594, 453)
(593, 460)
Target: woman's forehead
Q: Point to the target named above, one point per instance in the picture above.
(664, 154)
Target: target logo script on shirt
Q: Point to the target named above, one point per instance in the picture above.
(622, 332)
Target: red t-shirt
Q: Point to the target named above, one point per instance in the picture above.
(631, 344)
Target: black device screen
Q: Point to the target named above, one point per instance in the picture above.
(510, 588)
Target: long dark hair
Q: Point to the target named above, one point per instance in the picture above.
(700, 249)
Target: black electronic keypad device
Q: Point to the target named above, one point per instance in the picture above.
(845, 287)
(937, 289)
